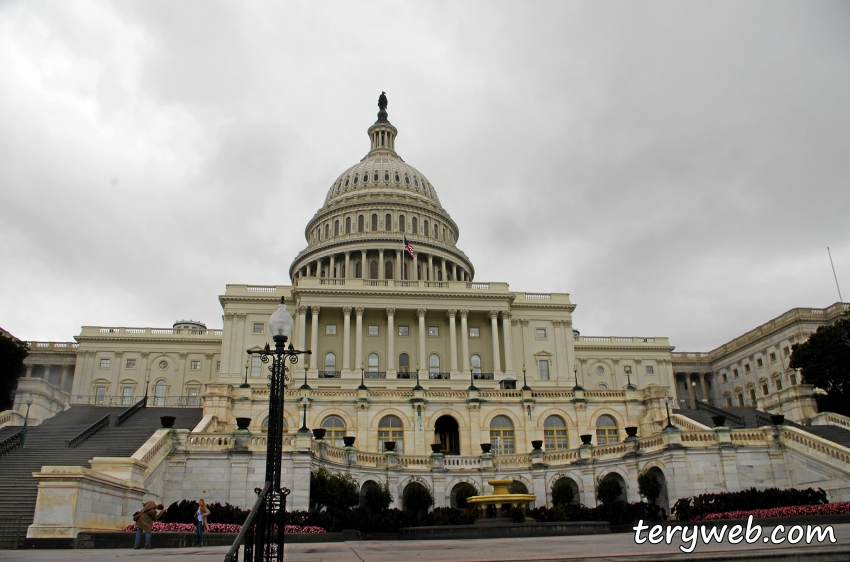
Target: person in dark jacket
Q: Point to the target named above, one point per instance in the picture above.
(144, 522)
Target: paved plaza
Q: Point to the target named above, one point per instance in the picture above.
(588, 547)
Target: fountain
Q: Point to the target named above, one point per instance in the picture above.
(501, 497)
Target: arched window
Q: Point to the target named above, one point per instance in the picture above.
(388, 222)
(334, 430)
(159, 393)
(388, 270)
(554, 433)
(602, 386)
(327, 231)
(373, 270)
(502, 435)
(373, 363)
(374, 219)
(606, 431)
(404, 363)
(425, 227)
(336, 228)
(386, 176)
(358, 270)
(265, 427)
(401, 225)
(390, 428)
(434, 363)
(330, 362)
(360, 223)
(414, 226)
(365, 177)
(476, 364)
(375, 177)
(435, 231)
(348, 225)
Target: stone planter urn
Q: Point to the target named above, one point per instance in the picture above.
(777, 419)
(436, 447)
(718, 420)
(167, 421)
(319, 433)
(348, 440)
(537, 444)
(485, 447)
(243, 423)
(631, 431)
(389, 446)
(585, 439)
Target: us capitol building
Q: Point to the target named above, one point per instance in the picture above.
(408, 347)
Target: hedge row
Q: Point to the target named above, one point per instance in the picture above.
(689, 509)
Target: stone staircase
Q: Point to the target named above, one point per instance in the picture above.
(832, 433)
(45, 446)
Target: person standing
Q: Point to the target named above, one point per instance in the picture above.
(201, 520)
(144, 522)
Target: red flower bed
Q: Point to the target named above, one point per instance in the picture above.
(217, 528)
(838, 508)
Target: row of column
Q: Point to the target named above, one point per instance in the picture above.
(403, 268)
(67, 370)
(452, 314)
(691, 394)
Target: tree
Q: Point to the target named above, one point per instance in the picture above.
(376, 498)
(608, 489)
(417, 499)
(649, 486)
(332, 491)
(562, 493)
(825, 363)
(12, 355)
(462, 491)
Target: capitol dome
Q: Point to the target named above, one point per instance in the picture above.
(368, 212)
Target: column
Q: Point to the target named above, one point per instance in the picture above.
(314, 337)
(309, 269)
(29, 371)
(430, 267)
(332, 267)
(390, 341)
(398, 264)
(453, 339)
(506, 328)
(464, 339)
(414, 273)
(423, 360)
(454, 272)
(705, 388)
(358, 338)
(346, 338)
(381, 264)
(347, 265)
(691, 391)
(302, 327)
(364, 271)
(494, 325)
(443, 267)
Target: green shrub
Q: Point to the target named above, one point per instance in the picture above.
(417, 499)
(562, 493)
(518, 514)
(686, 509)
(608, 489)
(332, 491)
(649, 486)
(376, 498)
(463, 491)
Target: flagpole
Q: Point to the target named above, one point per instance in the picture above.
(834, 275)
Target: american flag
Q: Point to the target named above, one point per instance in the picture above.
(408, 247)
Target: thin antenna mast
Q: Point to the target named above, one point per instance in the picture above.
(834, 275)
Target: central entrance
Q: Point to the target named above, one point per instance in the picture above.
(447, 435)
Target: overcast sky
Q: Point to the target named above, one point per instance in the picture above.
(679, 168)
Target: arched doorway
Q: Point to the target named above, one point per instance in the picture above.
(663, 500)
(460, 492)
(560, 493)
(446, 433)
(624, 491)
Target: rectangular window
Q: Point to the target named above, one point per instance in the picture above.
(330, 329)
(373, 331)
(543, 365)
(747, 368)
(786, 351)
(772, 357)
(100, 395)
(256, 362)
(475, 332)
(778, 384)
(735, 373)
(195, 365)
(218, 365)
(740, 399)
(193, 397)
(258, 327)
(723, 376)
(433, 331)
(104, 363)
(753, 395)
(764, 390)
(760, 362)
(650, 370)
(793, 379)
(404, 330)
(131, 363)
(126, 396)
(540, 333)
(728, 402)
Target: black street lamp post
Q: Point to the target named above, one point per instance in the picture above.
(472, 380)
(26, 419)
(667, 404)
(268, 527)
(245, 384)
(524, 380)
(628, 370)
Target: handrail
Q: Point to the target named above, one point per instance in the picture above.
(11, 443)
(721, 412)
(763, 420)
(88, 432)
(233, 554)
(128, 413)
